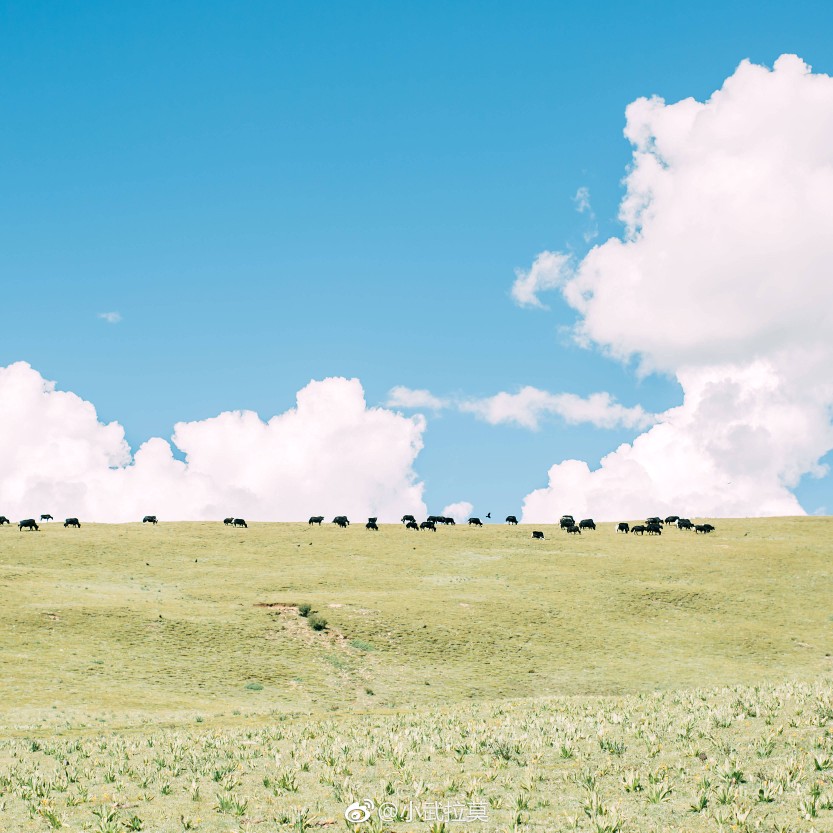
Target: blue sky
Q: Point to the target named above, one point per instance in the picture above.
(270, 193)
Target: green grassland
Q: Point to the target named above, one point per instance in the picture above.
(599, 682)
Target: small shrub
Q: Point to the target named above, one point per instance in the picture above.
(614, 747)
(304, 609)
(254, 686)
(317, 623)
(503, 750)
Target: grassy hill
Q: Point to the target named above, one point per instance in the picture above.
(162, 677)
(181, 618)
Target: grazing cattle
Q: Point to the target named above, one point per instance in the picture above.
(435, 519)
(672, 519)
(574, 530)
(240, 522)
(428, 525)
(684, 523)
(72, 522)
(47, 518)
(315, 519)
(708, 528)
(475, 522)
(372, 520)
(228, 521)
(566, 520)
(537, 535)
(449, 521)
(371, 524)
(4, 520)
(511, 519)
(412, 525)
(341, 520)
(638, 529)
(587, 523)
(407, 519)
(623, 527)
(150, 519)
(657, 521)
(29, 523)
(653, 529)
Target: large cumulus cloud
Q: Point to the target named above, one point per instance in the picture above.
(724, 278)
(330, 454)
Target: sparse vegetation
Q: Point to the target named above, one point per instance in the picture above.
(504, 757)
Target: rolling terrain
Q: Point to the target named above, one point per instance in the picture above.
(534, 676)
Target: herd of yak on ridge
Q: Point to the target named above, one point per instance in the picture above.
(653, 526)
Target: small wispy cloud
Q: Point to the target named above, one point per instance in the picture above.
(549, 271)
(529, 407)
(403, 397)
(583, 206)
(110, 317)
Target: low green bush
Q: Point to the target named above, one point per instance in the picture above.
(316, 622)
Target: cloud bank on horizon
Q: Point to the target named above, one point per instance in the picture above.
(331, 454)
(723, 279)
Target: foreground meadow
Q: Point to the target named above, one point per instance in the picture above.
(164, 679)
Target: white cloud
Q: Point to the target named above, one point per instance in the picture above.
(723, 279)
(529, 405)
(733, 448)
(331, 454)
(402, 397)
(110, 317)
(460, 511)
(583, 206)
(547, 272)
